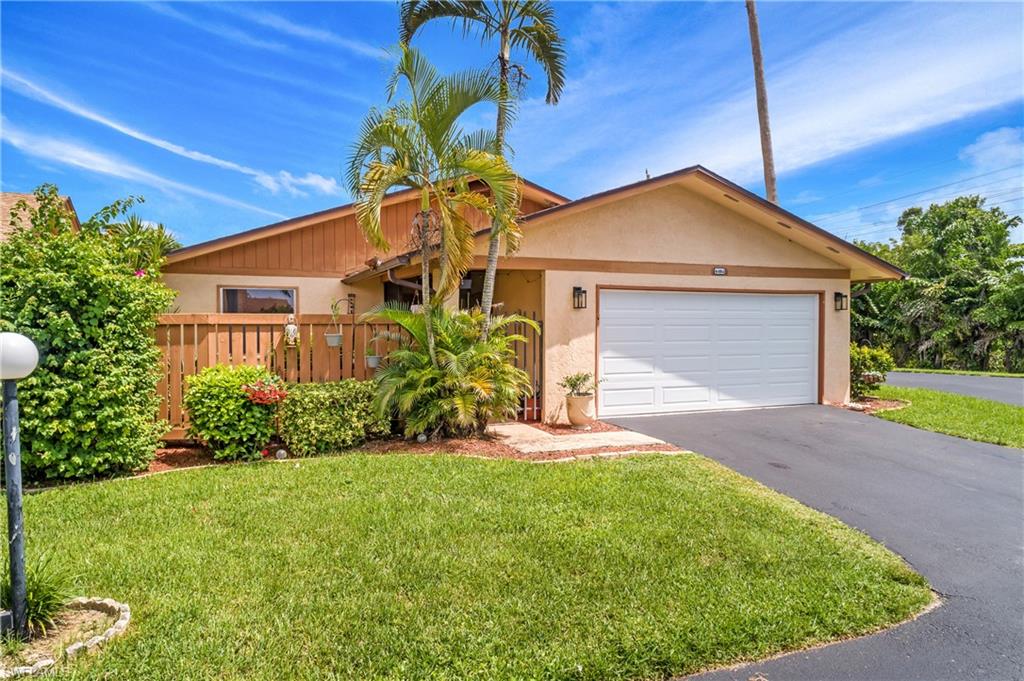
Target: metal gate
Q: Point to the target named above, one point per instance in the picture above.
(530, 358)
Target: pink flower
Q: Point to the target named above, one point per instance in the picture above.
(140, 273)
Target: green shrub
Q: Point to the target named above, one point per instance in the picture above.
(90, 407)
(48, 589)
(320, 418)
(221, 413)
(868, 367)
(473, 381)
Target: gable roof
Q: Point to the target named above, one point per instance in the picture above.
(863, 266)
(530, 190)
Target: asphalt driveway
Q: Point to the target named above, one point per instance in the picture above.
(999, 388)
(953, 508)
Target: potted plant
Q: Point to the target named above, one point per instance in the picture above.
(579, 399)
(372, 358)
(334, 339)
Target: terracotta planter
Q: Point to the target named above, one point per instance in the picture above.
(580, 410)
(333, 339)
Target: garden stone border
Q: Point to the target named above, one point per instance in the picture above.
(105, 605)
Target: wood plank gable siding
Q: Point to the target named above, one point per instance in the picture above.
(334, 247)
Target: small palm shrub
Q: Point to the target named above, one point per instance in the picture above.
(48, 588)
(473, 382)
(578, 385)
(868, 367)
(232, 409)
(320, 418)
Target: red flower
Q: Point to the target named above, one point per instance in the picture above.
(265, 392)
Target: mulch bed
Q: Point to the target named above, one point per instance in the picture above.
(869, 405)
(565, 429)
(175, 458)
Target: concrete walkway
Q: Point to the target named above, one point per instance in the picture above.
(530, 440)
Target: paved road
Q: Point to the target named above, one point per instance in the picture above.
(953, 508)
(999, 388)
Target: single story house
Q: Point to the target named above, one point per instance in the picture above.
(680, 292)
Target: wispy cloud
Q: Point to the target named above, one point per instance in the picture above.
(304, 32)
(892, 71)
(73, 154)
(221, 30)
(272, 182)
(993, 167)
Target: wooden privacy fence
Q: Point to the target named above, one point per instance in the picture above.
(191, 342)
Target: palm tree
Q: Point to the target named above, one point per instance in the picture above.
(523, 24)
(767, 156)
(143, 244)
(417, 143)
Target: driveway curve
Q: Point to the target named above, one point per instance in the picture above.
(953, 508)
(998, 388)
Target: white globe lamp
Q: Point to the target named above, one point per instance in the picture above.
(18, 356)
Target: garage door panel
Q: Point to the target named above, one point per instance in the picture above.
(686, 351)
(685, 395)
(627, 366)
(628, 397)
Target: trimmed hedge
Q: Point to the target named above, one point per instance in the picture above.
(222, 414)
(321, 418)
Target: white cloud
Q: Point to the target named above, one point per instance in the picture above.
(76, 155)
(905, 69)
(220, 30)
(311, 33)
(996, 149)
(272, 182)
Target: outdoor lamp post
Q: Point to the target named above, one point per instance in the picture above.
(18, 359)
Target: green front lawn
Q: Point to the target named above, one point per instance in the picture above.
(968, 417)
(406, 567)
(959, 372)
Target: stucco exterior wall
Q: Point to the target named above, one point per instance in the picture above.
(570, 336)
(670, 224)
(198, 292)
(520, 291)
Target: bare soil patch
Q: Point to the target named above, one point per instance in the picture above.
(173, 458)
(70, 626)
(491, 448)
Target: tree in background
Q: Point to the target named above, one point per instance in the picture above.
(963, 305)
(417, 143)
(527, 25)
(90, 408)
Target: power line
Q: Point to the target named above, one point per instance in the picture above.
(891, 226)
(829, 216)
(996, 143)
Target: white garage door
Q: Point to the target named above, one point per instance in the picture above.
(669, 351)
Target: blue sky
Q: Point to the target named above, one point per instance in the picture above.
(232, 115)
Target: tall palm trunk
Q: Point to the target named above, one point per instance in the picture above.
(491, 272)
(428, 314)
(767, 156)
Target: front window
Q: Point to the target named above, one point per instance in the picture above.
(258, 300)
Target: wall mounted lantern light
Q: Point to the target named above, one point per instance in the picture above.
(579, 298)
(351, 303)
(842, 301)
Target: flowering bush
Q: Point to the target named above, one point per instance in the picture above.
(266, 391)
(232, 409)
(868, 367)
